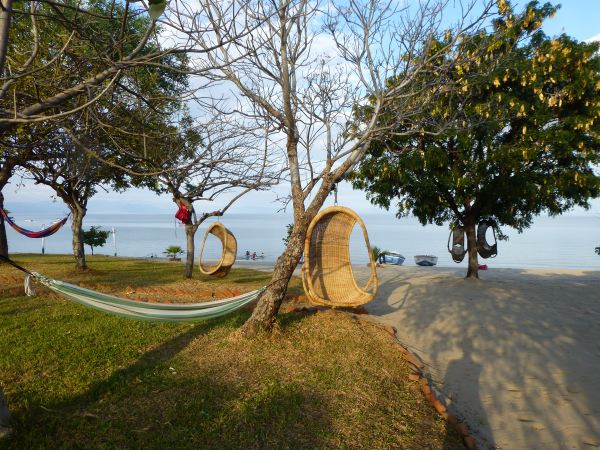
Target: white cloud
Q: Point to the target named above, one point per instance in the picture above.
(593, 38)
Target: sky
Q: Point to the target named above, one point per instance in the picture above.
(577, 18)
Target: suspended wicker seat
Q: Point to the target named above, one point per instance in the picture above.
(228, 254)
(458, 249)
(484, 249)
(327, 271)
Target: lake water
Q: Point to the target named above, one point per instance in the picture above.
(561, 242)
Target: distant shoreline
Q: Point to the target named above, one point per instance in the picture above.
(266, 264)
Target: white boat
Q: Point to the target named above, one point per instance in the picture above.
(426, 260)
(392, 258)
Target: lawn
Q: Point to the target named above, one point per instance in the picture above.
(77, 378)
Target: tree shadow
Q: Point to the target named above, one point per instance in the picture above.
(516, 353)
(145, 405)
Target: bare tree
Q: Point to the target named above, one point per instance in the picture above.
(198, 162)
(223, 164)
(309, 68)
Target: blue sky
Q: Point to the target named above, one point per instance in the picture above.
(578, 18)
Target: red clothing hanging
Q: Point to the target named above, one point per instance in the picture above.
(183, 214)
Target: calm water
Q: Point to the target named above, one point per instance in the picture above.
(567, 241)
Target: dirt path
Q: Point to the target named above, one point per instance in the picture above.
(516, 354)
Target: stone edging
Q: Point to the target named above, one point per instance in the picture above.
(417, 365)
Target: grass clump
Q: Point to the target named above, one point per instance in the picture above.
(76, 378)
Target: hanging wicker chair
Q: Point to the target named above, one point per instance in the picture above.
(228, 254)
(327, 271)
(484, 249)
(458, 249)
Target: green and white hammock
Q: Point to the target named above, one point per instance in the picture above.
(155, 312)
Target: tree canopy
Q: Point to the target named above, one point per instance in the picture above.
(520, 132)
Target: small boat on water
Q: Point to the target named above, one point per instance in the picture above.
(391, 258)
(426, 260)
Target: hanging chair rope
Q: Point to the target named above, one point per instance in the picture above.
(327, 274)
(155, 312)
(458, 249)
(34, 234)
(228, 251)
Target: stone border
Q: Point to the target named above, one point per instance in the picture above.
(415, 363)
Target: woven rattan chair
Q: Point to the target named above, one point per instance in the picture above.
(458, 249)
(327, 271)
(228, 254)
(484, 249)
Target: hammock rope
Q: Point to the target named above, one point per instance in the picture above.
(155, 312)
(34, 234)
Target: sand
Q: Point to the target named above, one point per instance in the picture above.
(516, 354)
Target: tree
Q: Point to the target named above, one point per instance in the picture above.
(63, 57)
(50, 64)
(75, 176)
(172, 251)
(206, 162)
(307, 92)
(523, 134)
(95, 237)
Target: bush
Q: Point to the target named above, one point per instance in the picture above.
(172, 251)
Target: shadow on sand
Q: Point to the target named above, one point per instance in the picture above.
(516, 354)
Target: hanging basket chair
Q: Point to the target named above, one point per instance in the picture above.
(458, 249)
(228, 254)
(327, 271)
(484, 249)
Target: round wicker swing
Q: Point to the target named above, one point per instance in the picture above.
(327, 271)
(458, 249)
(484, 249)
(228, 254)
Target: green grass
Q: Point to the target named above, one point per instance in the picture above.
(76, 378)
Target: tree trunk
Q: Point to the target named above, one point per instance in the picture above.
(190, 232)
(77, 228)
(473, 271)
(3, 239)
(269, 302)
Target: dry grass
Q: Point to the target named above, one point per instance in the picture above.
(77, 378)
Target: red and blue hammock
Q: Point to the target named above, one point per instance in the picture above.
(34, 234)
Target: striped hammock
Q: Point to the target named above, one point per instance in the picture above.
(34, 234)
(154, 312)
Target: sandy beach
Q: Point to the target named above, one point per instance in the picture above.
(516, 354)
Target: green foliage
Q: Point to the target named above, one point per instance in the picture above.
(289, 227)
(95, 237)
(516, 131)
(172, 251)
(85, 379)
(376, 252)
